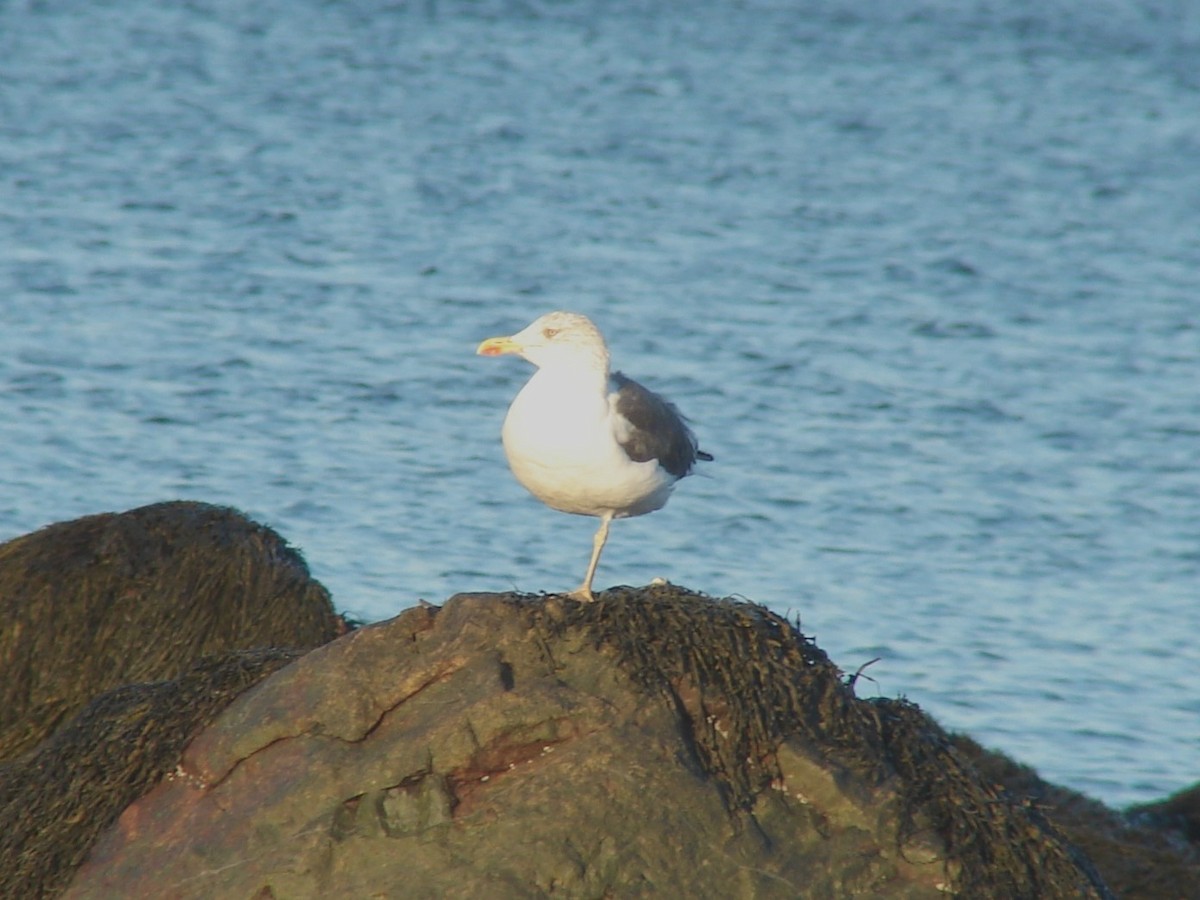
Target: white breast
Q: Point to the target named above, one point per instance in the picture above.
(561, 445)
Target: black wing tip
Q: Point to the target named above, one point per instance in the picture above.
(706, 457)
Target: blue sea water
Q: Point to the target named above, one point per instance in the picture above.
(925, 276)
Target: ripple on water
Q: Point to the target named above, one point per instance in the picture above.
(925, 289)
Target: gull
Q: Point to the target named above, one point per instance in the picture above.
(587, 440)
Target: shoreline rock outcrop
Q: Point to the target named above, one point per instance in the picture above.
(170, 731)
(512, 746)
(121, 598)
(56, 801)
(121, 636)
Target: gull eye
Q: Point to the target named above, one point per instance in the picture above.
(549, 333)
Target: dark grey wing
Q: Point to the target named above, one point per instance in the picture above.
(653, 428)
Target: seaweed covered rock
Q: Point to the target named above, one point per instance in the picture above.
(55, 801)
(654, 743)
(111, 599)
(1177, 816)
(1149, 853)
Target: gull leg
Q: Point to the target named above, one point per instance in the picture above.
(584, 591)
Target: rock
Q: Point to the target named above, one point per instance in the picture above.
(654, 743)
(1178, 815)
(113, 599)
(1142, 855)
(56, 801)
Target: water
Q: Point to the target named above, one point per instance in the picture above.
(925, 277)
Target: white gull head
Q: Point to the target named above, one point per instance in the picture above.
(557, 340)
